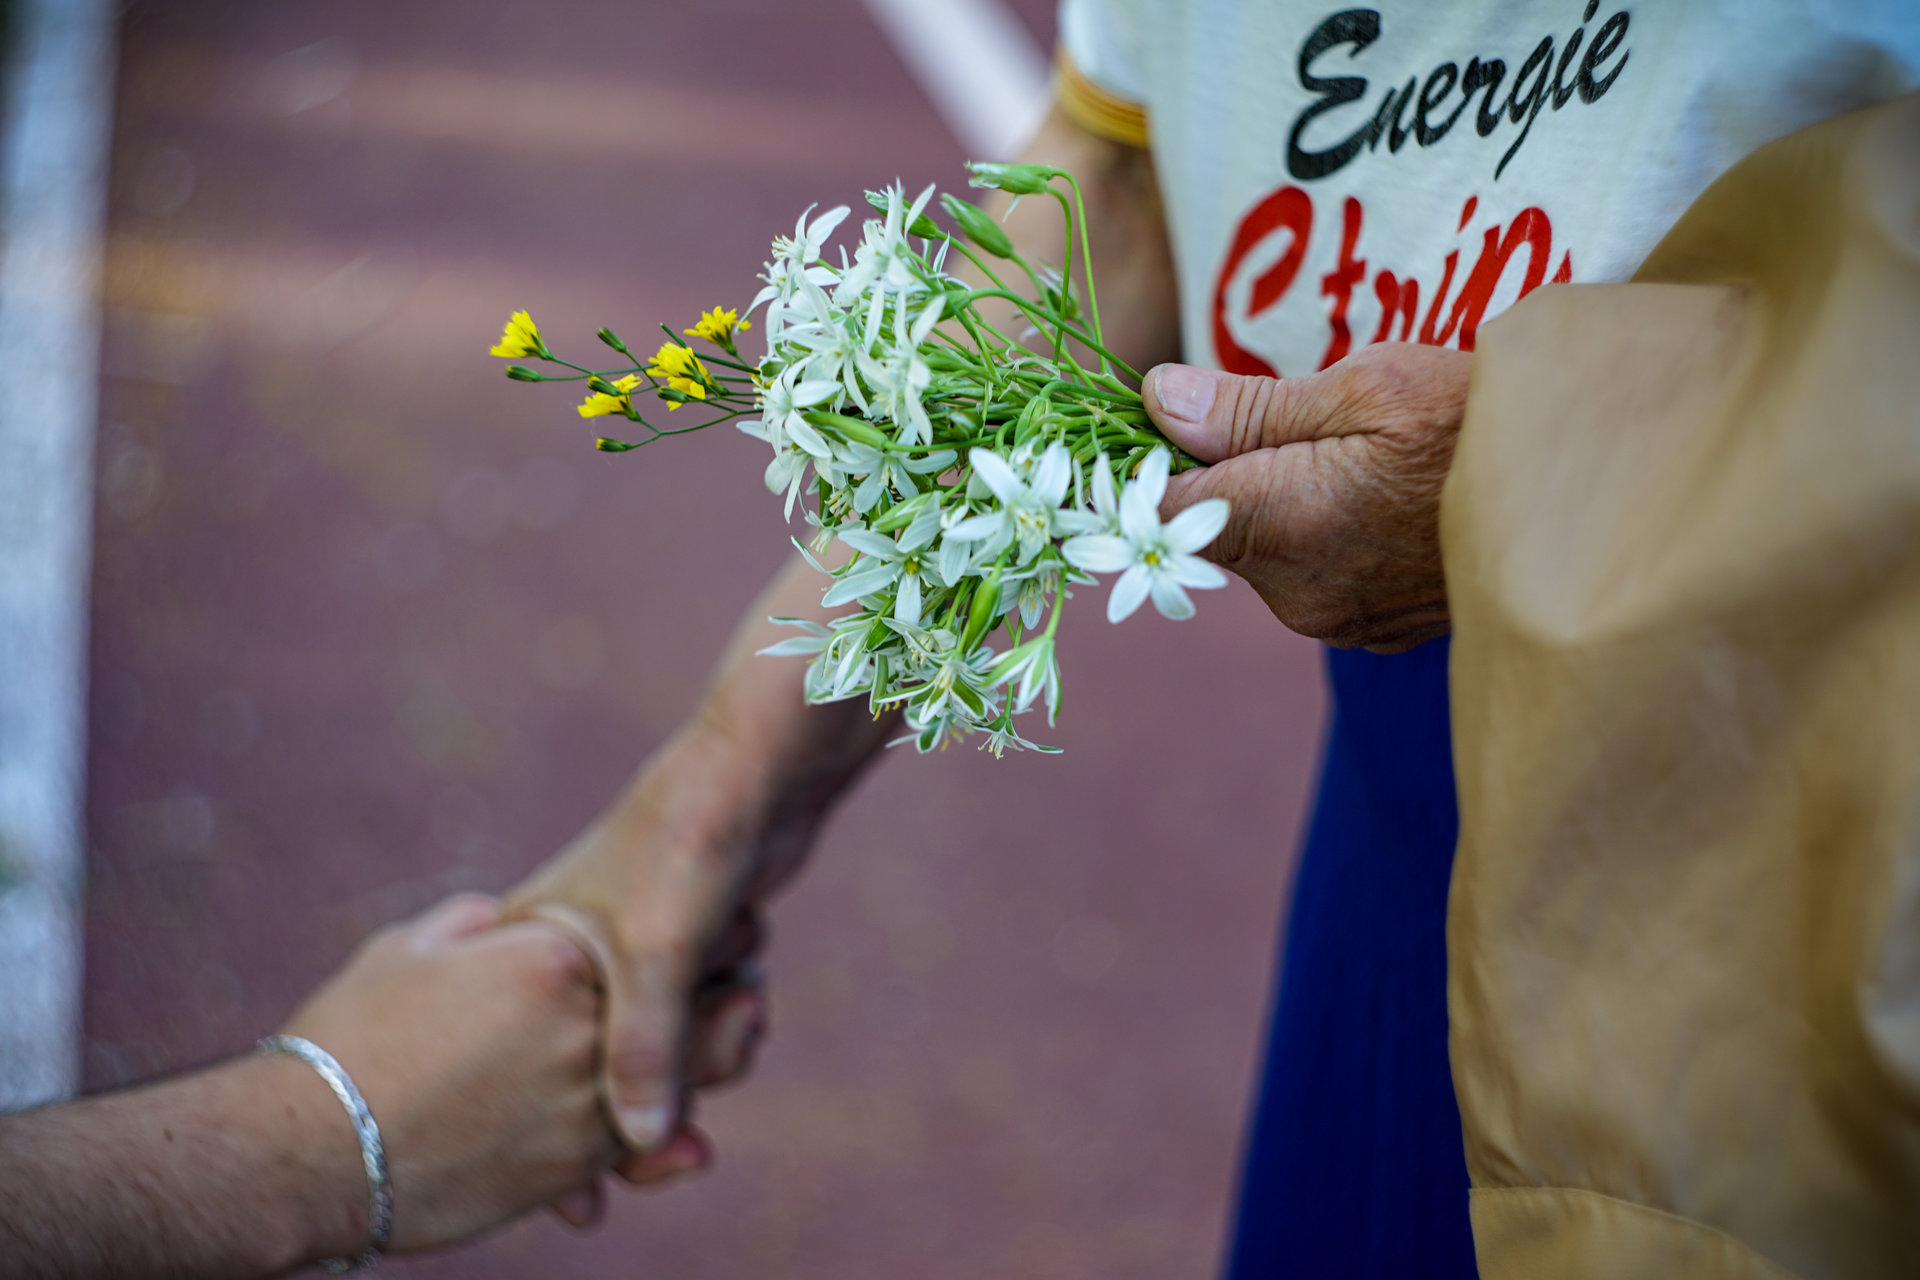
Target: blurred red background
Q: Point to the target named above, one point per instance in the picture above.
(371, 624)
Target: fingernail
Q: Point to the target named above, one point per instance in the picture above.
(646, 1127)
(685, 1159)
(1183, 391)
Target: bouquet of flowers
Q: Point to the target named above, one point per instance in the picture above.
(973, 475)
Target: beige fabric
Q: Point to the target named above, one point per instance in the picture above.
(1682, 538)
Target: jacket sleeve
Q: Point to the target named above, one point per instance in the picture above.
(1682, 545)
(1098, 77)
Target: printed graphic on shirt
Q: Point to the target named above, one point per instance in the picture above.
(1361, 113)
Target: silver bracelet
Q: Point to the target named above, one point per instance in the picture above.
(372, 1154)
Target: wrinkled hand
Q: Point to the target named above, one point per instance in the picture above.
(664, 890)
(1334, 479)
(474, 1046)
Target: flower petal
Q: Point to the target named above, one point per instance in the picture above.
(919, 204)
(1152, 477)
(816, 234)
(953, 561)
(1139, 514)
(1106, 500)
(794, 647)
(1192, 571)
(1052, 476)
(813, 391)
(1128, 593)
(801, 432)
(993, 471)
(975, 528)
(924, 322)
(933, 464)
(924, 529)
(1169, 599)
(1198, 525)
(861, 582)
(1098, 552)
(906, 605)
(867, 542)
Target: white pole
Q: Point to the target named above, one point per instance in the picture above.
(52, 199)
(978, 65)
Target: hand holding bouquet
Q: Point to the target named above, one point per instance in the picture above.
(975, 477)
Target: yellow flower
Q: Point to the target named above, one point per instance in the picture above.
(520, 338)
(681, 370)
(599, 402)
(717, 326)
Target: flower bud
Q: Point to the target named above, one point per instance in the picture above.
(902, 514)
(977, 226)
(602, 386)
(986, 608)
(612, 339)
(1020, 179)
(520, 373)
(851, 428)
(605, 445)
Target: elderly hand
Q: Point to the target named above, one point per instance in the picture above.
(666, 888)
(475, 1048)
(1334, 479)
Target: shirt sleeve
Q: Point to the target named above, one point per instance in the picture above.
(1099, 80)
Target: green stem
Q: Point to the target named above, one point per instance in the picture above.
(1078, 333)
(1086, 256)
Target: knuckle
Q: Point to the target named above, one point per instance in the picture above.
(555, 963)
(1251, 401)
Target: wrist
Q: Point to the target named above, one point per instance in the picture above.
(313, 1183)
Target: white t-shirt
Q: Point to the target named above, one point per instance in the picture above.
(1334, 177)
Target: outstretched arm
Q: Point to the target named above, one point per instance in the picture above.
(473, 1047)
(668, 883)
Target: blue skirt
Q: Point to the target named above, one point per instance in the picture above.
(1354, 1166)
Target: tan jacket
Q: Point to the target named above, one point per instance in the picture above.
(1682, 540)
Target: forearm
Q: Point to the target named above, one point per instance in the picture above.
(246, 1169)
(755, 753)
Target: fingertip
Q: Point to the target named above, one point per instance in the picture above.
(1179, 398)
(687, 1152)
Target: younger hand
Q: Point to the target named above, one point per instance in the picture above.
(1334, 479)
(475, 1048)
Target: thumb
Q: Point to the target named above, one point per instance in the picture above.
(1215, 415)
(643, 1050)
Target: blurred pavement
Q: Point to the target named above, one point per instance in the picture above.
(371, 624)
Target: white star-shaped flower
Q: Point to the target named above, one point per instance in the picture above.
(1152, 558)
(1029, 513)
(899, 375)
(793, 261)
